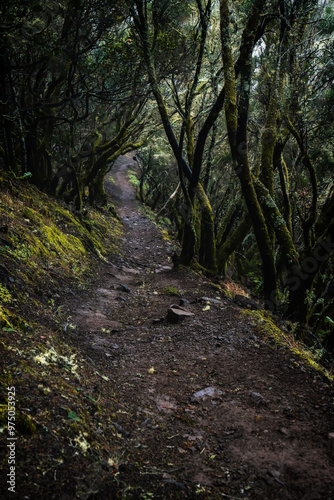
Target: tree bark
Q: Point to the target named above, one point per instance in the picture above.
(232, 243)
(237, 119)
(189, 233)
(208, 240)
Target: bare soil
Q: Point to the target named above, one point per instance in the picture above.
(205, 407)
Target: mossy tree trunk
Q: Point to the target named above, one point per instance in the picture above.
(232, 243)
(280, 165)
(302, 279)
(186, 168)
(89, 167)
(237, 120)
(210, 160)
(273, 215)
(208, 254)
(307, 222)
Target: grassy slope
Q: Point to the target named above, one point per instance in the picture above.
(45, 252)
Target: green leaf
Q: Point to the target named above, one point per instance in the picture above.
(73, 416)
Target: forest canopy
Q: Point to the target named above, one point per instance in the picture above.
(229, 106)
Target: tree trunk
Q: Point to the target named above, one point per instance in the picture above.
(234, 240)
(188, 236)
(278, 223)
(302, 278)
(281, 167)
(237, 120)
(97, 193)
(208, 241)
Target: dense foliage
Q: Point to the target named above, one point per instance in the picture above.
(67, 107)
(230, 106)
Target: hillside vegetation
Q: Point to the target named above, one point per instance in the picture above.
(47, 255)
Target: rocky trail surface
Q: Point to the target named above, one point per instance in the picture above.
(202, 404)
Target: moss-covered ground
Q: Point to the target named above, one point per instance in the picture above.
(267, 328)
(46, 253)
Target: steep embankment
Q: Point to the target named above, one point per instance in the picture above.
(144, 405)
(47, 257)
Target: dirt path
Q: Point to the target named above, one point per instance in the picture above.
(204, 404)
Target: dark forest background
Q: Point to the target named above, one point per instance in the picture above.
(229, 106)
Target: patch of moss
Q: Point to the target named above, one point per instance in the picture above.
(170, 290)
(45, 239)
(25, 425)
(3, 415)
(197, 267)
(68, 247)
(216, 286)
(266, 327)
(4, 320)
(11, 320)
(33, 216)
(133, 177)
(227, 293)
(5, 296)
(166, 236)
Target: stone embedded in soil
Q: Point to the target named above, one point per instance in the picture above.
(120, 429)
(207, 392)
(212, 301)
(177, 313)
(130, 270)
(124, 288)
(161, 268)
(258, 398)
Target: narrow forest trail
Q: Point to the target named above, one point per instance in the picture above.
(204, 404)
